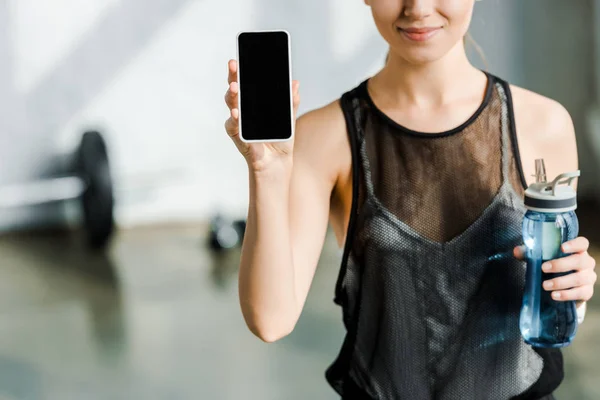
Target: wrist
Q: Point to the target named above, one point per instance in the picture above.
(277, 170)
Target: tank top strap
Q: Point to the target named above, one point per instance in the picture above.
(510, 147)
(355, 110)
(352, 110)
(505, 129)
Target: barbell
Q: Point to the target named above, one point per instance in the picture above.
(90, 182)
(225, 233)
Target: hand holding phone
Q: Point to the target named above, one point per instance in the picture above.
(262, 99)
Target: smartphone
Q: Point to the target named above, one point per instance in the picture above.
(265, 86)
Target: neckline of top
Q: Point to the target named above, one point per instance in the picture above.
(363, 88)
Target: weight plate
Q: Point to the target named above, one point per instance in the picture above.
(240, 227)
(97, 199)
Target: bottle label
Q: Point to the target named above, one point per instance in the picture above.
(551, 240)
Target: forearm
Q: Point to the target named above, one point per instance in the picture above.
(266, 281)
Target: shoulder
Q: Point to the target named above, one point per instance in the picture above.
(321, 140)
(544, 130)
(546, 118)
(329, 119)
(323, 119)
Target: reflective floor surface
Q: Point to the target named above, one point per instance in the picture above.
(157, 317)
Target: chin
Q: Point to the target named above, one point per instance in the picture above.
(420, 56)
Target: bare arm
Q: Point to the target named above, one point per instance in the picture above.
(545, 130)
(290, 188)
(287, 223)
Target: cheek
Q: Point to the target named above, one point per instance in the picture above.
(385, 14)
(458, 12)
(457, 7)
(386, 11)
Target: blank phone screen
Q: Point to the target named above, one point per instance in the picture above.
(265, 103)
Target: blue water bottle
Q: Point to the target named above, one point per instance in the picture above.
(550, 221)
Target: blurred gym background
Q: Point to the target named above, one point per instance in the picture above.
(154, 314)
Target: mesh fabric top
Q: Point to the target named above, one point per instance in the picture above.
(431, 311)
(438, 184)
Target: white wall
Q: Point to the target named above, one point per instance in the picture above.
(152, 74)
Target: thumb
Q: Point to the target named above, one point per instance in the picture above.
(519, 252)
(296, 96)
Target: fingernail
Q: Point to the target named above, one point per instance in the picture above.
(548, 285)
(546, 266)
(566, 247)
(556, 295)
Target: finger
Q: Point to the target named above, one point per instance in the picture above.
(231, 97)
(582, 293)
(232, 67)
(519, 252)
(296, 96)
(588, 262)
(576, 279)
(592, 262)
(232, 128)
(565, 264)
(576, 245)
(232, 125)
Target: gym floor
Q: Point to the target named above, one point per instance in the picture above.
(157, 317)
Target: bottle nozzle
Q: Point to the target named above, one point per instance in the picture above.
(540, 171)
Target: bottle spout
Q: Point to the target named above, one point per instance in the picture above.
(540, 171)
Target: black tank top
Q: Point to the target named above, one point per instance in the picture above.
(429, 289)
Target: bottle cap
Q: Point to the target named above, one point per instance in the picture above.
(553, 197)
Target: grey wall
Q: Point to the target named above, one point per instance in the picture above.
(596, 50)
(594, 114)
(151, 74)
(495, 28)
(546, 46)
(559, 59)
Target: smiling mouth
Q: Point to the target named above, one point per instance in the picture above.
(418, 34)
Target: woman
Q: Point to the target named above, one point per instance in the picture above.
(421, 171)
